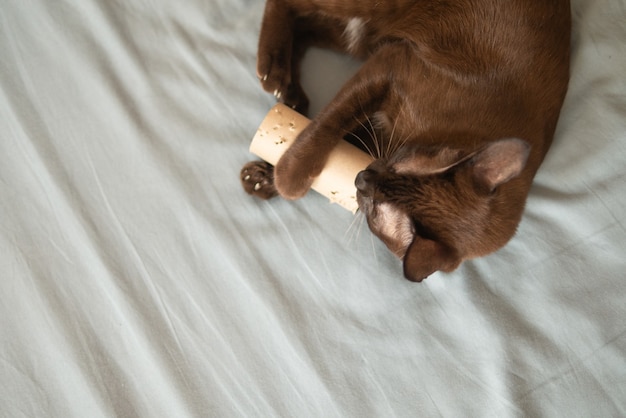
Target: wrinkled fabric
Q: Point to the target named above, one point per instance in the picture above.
(138, 279)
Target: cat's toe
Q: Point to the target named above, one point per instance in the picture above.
(274, 72)
(257, 179)
(296, 99)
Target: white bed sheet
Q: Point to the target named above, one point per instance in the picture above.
(138, 279)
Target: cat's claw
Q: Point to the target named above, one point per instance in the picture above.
(274, 72)
(257, 179)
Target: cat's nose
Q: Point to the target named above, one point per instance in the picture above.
(363, 181)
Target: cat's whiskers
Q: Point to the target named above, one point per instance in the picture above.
(391, 147)
(353, 232)
(374, 137)
(371, 132)
(358, 138)
(400, 144)
(375, 253)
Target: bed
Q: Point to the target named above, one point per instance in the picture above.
(139, 280)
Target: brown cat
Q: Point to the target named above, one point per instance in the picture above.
(462, 98)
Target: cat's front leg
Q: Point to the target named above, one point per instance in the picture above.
(275, 49)
(361, 96)
(302, 162)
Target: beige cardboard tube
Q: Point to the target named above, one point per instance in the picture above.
(279, 130)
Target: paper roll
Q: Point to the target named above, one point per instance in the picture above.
(279, 130)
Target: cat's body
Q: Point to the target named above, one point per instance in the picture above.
(467, 94)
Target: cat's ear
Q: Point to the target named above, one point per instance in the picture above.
(500, 162)
(425, 256)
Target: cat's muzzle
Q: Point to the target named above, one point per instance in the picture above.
(364, 182)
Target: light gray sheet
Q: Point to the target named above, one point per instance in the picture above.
(139, 280)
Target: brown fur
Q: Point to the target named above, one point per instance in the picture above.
(465, 95)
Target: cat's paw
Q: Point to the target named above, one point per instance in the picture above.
(276, 78)
(296, 99)
(274, 71)
(257, 179)
(293, 177)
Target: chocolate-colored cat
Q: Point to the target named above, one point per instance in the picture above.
(462, 98)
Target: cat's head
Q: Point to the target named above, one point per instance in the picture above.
(435, 207)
